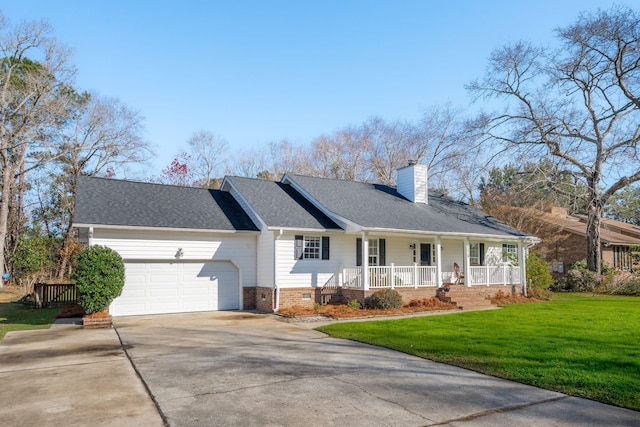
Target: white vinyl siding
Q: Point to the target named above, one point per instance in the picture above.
(300, 273)
(163, 245)
(265, 259)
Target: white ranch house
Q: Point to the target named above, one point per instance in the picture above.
(264, 245)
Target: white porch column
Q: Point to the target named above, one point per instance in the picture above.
(522, 262)
(438, 262)
(467, 262)
(365, 261)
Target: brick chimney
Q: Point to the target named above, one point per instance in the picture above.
(412, 182)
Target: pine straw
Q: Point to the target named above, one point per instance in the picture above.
(500, 298)
(71, 310)
(343, 311)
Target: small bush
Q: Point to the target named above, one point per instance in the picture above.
(582, 280)
(354, 304)
(621, 283)
(559, 285)
(317, 306)
(99, 277)
(385, 299)
(539, 293)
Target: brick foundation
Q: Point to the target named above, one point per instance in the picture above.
(264, 300)
(94, 322)
(303, 297)
(249, 298)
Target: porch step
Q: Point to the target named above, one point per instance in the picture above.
(467, 298)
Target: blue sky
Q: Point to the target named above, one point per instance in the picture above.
(260, 71)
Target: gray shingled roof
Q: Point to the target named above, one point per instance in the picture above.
(102, 201)
(279, 205)
(381, 206)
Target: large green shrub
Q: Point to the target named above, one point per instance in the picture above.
(99, 277)
(385, 299)
(538, 277)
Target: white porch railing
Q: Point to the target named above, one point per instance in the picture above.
(415, 276)
(391, 277)
(494, 275)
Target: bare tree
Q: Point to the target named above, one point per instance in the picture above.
(103, 137)
(34, 81)
(208, 155)
(249, 163)
(579, 104)
(342, 155)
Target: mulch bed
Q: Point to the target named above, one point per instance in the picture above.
(70, 310)
(500, 298)
(343, 311)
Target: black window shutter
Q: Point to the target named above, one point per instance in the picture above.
(382, 252)
(481, 253)
(299, 247)
(358, 252)
(325, 247)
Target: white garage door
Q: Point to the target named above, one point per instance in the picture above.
(177, 287)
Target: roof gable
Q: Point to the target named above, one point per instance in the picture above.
(280, 205)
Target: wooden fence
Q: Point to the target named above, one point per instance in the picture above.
(48, 294)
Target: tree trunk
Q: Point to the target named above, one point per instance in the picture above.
(5, 200)
(594, 255)
(65, 252)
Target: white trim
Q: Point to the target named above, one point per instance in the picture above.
(438, 262)
(365, 261)
(467, 262)
(172, 229)
(488, 237)
(306, 230)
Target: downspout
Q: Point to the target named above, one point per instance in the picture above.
(90, 237)
(275, 269)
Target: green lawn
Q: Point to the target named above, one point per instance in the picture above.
(18, 317)
(587, 346)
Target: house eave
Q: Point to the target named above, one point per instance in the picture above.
(306, 229)
(496, 237)
(169, 229)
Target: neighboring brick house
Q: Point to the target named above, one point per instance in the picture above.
(563, 238)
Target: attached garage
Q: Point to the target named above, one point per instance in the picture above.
(178, 287)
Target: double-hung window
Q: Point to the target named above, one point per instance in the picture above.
(373, 252)
(476, 253)
(509, 252)
(622, 257)
(311, 247)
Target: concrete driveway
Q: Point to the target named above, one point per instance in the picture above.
(241, 369)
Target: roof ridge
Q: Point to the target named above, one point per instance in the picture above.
(130, 181)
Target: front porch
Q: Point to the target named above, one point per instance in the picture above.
(415, 276)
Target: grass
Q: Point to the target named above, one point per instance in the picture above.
(581, 345)
(19, 317)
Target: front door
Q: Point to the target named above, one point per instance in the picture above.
(425, 254)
